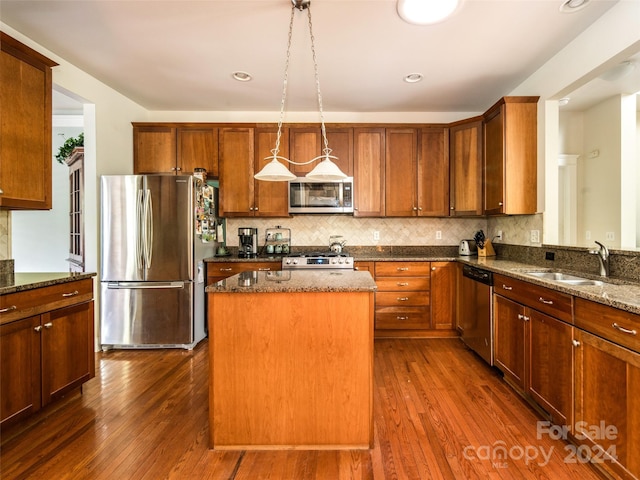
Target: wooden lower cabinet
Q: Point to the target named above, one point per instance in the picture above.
(607, 388)
(405, 299)
(534, 352)
(44, 356)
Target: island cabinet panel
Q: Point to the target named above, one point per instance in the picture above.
(369, 172)
(291, 370)
(607, 387)
(25, 149)
(465, 156)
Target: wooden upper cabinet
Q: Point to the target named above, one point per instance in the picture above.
(306, 143)
(433, 172)
(401, 172)
(236, 172)
(197, 148)
(25, 149)
(369, 172)
(510, 156)
(175, 149)
(465, 155)
(271, 198)
(154, 149)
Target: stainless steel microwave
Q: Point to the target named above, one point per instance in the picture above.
(321, 196)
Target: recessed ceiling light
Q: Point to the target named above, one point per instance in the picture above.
(421, 12)
(563, 101)
(242, 76)
(570, 6)
(413, 77)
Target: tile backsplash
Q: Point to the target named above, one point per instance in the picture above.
(5, 235)
(315, 230)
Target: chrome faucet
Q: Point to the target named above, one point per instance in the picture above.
(603, 255)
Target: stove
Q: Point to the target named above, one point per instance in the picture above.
(327, 260)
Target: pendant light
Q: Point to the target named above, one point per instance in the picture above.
(274, 171)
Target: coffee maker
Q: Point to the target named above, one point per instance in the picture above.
(248, 242)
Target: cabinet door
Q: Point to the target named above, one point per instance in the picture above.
(510, 343)
(607, 402)
(433, 172)
(494, 174)
(236, 172)
(271, 198)
(305, 143)
(340, 141)
(443, 295)
(198, 148)
(465, 154)
(19, 369)
(368, 171)
(401, 172)
(25, 149)
(67, 350)
(154, 149)
(551, 366)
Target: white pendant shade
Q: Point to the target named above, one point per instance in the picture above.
(274, 171)
(326, 170)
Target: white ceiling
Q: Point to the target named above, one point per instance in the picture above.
(180, 55)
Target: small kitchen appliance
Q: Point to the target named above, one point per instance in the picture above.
(247, 242)
(320, 260)
(467, 248)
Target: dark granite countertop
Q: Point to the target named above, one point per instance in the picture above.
(296, 281)
(19, 282)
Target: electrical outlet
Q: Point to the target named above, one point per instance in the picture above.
(535, 236)
(499, 234)
(376, 235)
(587, 235)
(610, 236)
(438, 234)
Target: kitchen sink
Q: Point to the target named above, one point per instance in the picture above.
(564, 278)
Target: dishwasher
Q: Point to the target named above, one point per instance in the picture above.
(476, 311)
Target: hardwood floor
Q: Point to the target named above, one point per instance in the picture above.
(440, 413)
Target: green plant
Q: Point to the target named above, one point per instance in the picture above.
(68, 146)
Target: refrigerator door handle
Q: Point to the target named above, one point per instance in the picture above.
(144, 285)
(148, 228)
(139, 228)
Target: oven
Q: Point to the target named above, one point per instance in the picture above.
(476, 312)
(318, 260)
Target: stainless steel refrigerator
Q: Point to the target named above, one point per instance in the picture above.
(152, 268)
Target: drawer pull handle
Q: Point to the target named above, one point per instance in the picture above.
(546, 302)
(8, 309)
(226, 269)
(48, 325)
(264, 269)
(520, 316)
(402, 318)
(402, 299)
(38, 328)
(624, 330)
(70, 294)
(576, 343)
(506, 287)
(402, 284)
(402, 269)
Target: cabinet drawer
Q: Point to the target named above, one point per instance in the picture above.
(395, 284)
(556, 304)
(402, 299)
(610, 323)
(394, 269)
(39, 300)
(397, 318)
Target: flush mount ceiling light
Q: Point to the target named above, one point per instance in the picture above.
(563, 101)
(413, 77)
(618, 72)
(426, 12)
(570, 6)
(274, 171)
(242, 76)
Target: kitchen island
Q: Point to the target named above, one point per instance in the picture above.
(291, 360)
